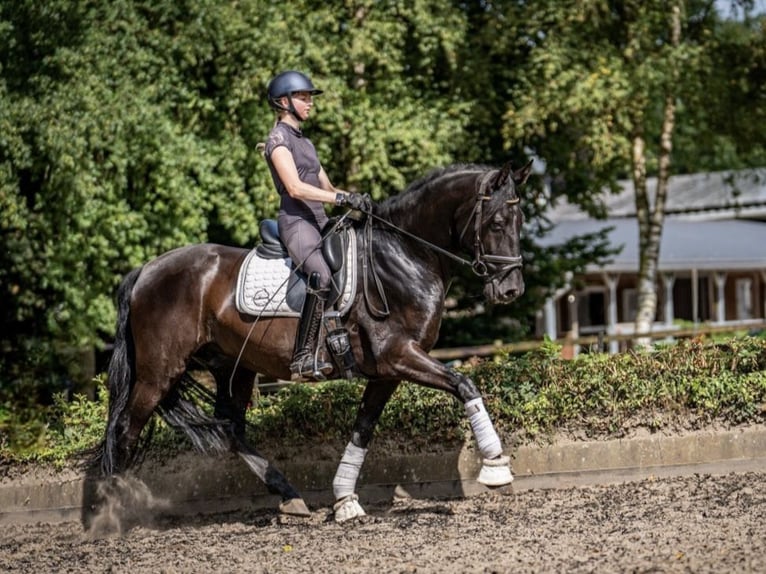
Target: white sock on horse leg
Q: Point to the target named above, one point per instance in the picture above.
(344, 483)
(483, 430)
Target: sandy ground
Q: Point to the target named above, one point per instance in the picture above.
(698, 523)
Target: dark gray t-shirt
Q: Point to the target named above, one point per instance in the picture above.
(307, 163)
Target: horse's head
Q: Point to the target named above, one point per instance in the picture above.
(496, 222)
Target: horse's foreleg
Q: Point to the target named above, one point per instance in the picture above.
(417, 366)
(496, 467)
(374, 400)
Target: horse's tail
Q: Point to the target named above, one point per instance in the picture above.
(121, 379)
(181, 410)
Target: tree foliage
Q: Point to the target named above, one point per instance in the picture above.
(131, 127)
(600, 99)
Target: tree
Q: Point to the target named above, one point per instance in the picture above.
(599, 99)
(651, 217)
(719, 119)
(131, 127)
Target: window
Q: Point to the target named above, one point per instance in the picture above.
(591, 308)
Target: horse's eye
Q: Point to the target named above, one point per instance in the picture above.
(497, 224)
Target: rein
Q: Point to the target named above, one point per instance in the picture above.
(425, 242)
(368, 263)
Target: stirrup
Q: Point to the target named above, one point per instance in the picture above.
(303, 368)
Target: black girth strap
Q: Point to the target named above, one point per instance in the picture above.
(369, 263)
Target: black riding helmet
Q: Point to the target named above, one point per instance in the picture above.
(286, 84)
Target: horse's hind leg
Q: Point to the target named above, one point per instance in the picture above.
(275, 481)
(111, 500)
(144, 399)
(233, 395)
(374, 400)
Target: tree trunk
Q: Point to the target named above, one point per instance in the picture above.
(651, 218)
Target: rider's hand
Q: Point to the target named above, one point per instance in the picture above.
(359, 201)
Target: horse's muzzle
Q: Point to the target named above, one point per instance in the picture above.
(504, 288)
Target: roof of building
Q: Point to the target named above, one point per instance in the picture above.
(719, 195)
(724, 245)
(714, 221)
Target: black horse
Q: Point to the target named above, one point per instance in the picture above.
(180, 308)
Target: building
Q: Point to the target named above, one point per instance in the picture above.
(712, 266)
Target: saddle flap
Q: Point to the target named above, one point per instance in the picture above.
(269, 230)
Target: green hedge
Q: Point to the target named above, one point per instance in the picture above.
(690, 384)
(530, 397)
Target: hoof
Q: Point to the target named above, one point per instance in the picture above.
(496, 472)
(347, 508)
(294, 507)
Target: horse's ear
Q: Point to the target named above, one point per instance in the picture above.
(501, 176)
(520, 176)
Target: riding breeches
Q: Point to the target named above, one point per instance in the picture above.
(304, 244)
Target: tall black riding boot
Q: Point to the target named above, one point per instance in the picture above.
(306, 364)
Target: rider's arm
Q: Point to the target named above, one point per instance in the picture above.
(284, 164)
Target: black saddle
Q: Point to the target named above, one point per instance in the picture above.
(334, 247)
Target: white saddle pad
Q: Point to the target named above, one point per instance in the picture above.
(262, 285)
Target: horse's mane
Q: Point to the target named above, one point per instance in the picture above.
(410, 197)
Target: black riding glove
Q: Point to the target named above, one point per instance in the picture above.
(359, 201)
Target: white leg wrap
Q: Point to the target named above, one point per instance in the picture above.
(344, 483)
(483, 430)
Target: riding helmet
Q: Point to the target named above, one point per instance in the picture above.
(286, 84)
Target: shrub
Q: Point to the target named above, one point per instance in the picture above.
(530, 397)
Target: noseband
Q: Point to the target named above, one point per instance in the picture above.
(479, 265)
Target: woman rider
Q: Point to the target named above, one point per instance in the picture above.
(304, 188)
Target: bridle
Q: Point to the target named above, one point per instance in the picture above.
(479, 265)
(480, 262)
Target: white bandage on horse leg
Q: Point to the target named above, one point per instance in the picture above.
(483, 430)
(344, 483)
